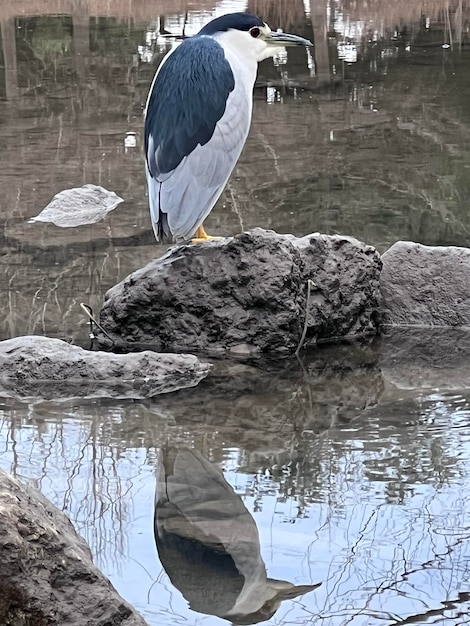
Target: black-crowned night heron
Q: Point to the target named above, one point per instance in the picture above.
(208, 542)
(197, 119)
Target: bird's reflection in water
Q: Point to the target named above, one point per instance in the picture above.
(208, 542)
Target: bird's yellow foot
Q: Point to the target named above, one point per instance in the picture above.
(201, 236)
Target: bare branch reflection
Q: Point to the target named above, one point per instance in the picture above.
(375, 506)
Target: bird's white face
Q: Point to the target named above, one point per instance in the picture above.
(256, 39)
(258, 43)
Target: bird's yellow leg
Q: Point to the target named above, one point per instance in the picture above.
(201, 236)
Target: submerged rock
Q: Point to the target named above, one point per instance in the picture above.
(247, 295)
(425, 285)
(46, 368)
(47, 576)
(266, 405)
(435, 359)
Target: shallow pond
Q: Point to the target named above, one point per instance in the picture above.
(355, 463)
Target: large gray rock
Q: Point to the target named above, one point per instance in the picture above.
(47, 576)
(247, 295)
(425, 286)
(46, 368)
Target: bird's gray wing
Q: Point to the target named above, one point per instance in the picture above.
(197, 121)
(190, 193)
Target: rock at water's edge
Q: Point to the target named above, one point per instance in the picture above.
(35, 366)
(247, 295)
(47, 576)
(425, 285)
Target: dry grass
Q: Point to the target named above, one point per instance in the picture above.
(138, 10)
(386, 14)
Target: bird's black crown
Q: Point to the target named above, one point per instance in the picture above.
(236, 21)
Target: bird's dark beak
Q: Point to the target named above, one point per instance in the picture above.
(284, 40)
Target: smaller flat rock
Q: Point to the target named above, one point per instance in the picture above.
(34, 366)
(425, 285)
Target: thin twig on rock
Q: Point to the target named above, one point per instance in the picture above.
(310, 284)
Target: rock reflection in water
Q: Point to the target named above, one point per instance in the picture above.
(208, 542)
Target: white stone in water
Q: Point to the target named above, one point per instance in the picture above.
(78, 206)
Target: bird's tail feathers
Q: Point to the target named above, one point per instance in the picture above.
(157, 216)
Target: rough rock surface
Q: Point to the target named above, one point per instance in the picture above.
(47, 576)
(34, 366)
(247, 295)
(425, 285)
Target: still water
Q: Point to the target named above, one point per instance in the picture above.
(354, 464)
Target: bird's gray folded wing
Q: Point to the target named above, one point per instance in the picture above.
(189, 194)
(187, 98)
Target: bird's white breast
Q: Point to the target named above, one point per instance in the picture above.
(240, 101)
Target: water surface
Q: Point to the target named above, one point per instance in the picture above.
(354, 464)
(355, 474)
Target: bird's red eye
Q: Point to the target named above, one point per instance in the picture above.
(255, 32)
